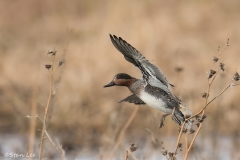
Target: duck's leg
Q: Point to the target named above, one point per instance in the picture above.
(174, 117)
(162, 120)
(173, 112)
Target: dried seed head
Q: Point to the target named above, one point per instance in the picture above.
(191, 131)
(164, 152)
(228, 42)
(53, 53)
(200, 120)
(204, 116)
(178, 69)
(60, 63)
(197, 124)
(170, 154)
(184, 130)
(222, 66)
(212, 72)
(218, 49)
(236, 76)
(215, 59)
(133, 147)
(179, 145)
(48, 66)
(197, 117)
(205, 95)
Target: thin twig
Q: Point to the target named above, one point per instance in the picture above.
(209, 102)
(126, 156)
(46, 112)
(200, 125)
(195, 136)
(32, 122)
(235, 84)
(179, 137)
(60, 150)
(130, 154)
(203, 108)
(123, 131)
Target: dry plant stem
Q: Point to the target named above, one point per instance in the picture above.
(46, 112)
(235, 84)
(61, 152)
(180, 134)
(209, 87)
(132, 155)
(33, 121)
(123, 131)
(193, 140)
(202, 110)
(179, 137)
(126, 156)
(209, 102)
(200, 126)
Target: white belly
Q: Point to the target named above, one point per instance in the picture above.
(154, 102)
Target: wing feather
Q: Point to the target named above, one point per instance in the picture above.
(133, 99)
(135, 57)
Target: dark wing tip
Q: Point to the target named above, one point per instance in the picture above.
(111, 37)
(114, 38)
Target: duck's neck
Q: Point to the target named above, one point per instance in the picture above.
(128, 82)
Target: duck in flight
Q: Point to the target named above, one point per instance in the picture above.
(152, 89)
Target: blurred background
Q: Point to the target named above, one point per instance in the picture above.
(181, 37)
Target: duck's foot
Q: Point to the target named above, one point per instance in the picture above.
(162, 120)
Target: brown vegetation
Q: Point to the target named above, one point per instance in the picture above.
(181, 38)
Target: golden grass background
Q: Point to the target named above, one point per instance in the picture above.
(84, 116)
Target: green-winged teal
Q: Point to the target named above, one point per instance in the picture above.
(152, 89)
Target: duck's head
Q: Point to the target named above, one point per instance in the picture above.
(121, 79)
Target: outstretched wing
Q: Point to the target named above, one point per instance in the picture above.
(150, 72)
(133, 99)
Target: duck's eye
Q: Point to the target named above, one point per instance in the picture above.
(117, 77)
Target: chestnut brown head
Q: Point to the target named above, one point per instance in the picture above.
(121, 79)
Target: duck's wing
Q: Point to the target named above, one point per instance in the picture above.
(150, 72)
(133, 99)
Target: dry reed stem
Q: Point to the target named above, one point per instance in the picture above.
(46, 110)
(131, 154)
(203, 108)
(33, 121)
(209, 87)
(59, 149)
(200, 125)
(193, 140)
(201, 111)
(235, 84)
(207, 103)
(123, 131)
(228, 86)
(179, 137)
(126, 156)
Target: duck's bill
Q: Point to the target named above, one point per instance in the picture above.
(110, 84)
